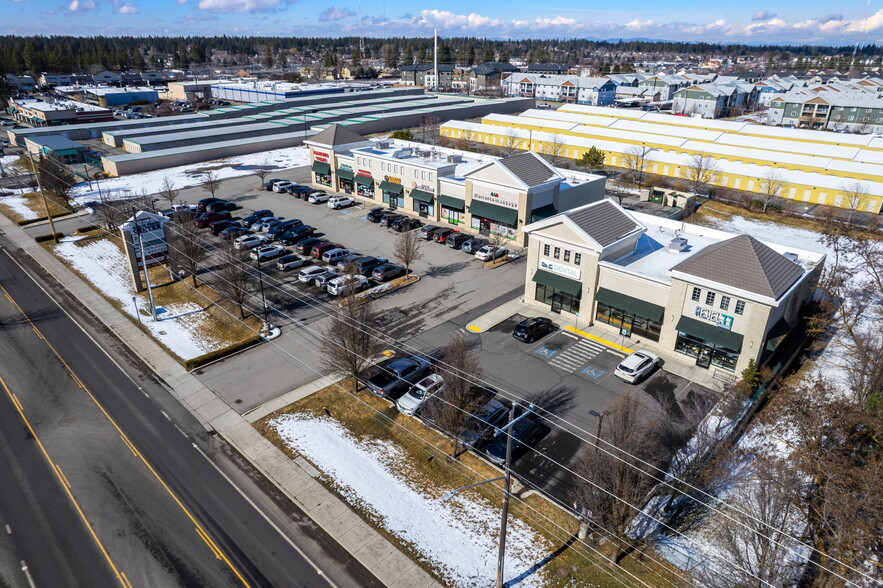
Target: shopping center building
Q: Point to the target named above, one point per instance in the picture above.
(486, 194)
(715, 299)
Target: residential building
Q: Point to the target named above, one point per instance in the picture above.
(855, 111)
(489, 75)
(551, 69)
(21, 83)
(75, 79)
(107, 78)
(573, 89)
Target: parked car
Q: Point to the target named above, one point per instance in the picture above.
(319, 250)
(364, 264)
(636, 366)
(279, 228)
(233, 232)
(201, 205)
(206, 218)
(257, 215)
(419, 393)
(220, 205)
(266, 222)
(479, 428)
(472, 245)
(348, 284)
(376, 213)
(267, 252)
(304, 247)
(406, 223)
(321, 281)
(440, 234)
(426, 232)
(387, 271)
(268, 186)
(280, 186)
(335, 256)
(288, 262)
(338, 202)
(318, 197)
(394, 379)
(299, 191)
(455, 240)
(308, 275)
(295, 234)
(216, 227)
(389, 218)
(525, 433)
(531, 329)
(487, 253)
(248, 242)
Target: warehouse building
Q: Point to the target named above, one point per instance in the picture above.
(120, 96)
(484, 194)
(702, 296)
(57, 146)
(269, 90)
(811, 167)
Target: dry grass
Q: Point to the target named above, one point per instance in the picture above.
(35, 203)
(370, 417)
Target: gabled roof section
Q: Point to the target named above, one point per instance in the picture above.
(603, 223)
(530, 168)
(337, 135)
(743, 262)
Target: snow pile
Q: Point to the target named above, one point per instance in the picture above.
(188, 176)
(6, 160)
(105, 266)
(18, 205)
(458, 537)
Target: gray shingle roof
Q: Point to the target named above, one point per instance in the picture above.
(529, 168)
(744, 262)
(337, 135)
(604, 222)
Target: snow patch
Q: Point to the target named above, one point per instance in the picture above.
(18, 205)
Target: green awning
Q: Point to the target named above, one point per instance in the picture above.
(390, 187)
(364, 180)
(560, 283)
(422, 196)
(501, 214)
(543, 212)
(344, 174)
(451, 202)
(710, 333)
(629, 304)
(320, 167)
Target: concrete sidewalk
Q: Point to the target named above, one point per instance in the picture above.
(294, 477)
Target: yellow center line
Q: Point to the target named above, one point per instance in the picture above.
(64, 484)
(208, 540)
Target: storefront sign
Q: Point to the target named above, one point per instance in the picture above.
(364, 172)
(424, 187)
(497, 197)
(564, 270)
(345, 167)
(720, 319)
(319, 156)
(393, 180)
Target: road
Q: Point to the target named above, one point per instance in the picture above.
(113, 482)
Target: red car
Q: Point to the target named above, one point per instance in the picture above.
(207, 218)
(318, 250)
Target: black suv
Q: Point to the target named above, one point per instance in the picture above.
(456, 240)
(388, 218)
(376, 213)
(202, 204)
(406, 223)
(531, 329)
(219, 205)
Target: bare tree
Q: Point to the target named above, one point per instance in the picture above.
(262, 170)
(554, 148)
(56, 179)
(235, 280)
(187, 250)
(635, 160)
(349, 345)
(168, 191)
(408, 248)
(496, 241)
(211, 182)
(770, 189)
(429, 128)
(856, 196)
(512, 143)
(702, 171)
(451, 409)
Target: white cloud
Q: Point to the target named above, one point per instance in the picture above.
(237, 5)
(127, 8)
(445, 19)
(638, 25)
(763, 15)
(333, 13)
(181, 1)
(81, 6)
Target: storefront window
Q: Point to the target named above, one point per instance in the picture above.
(394, 200)
(455, 217)
(486, 226)
(619, 318)
(557, 299)
(365, 191)
(324, 179)
(423, 208)
(694, 347)
(347, 186)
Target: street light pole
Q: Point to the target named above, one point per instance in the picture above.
(144, 265)
(507, 482)
(600, 416)
(263, 299)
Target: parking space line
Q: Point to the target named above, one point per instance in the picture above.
(577, 355)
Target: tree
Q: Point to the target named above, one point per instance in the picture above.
(211, 182)
(856, 197)
(186, 248)
(702, 170)
(408, 56)
(349, 346)
(554, 148)
(268, 58)
(262, 170)
(769, 189)
(402, 134)
(451, 409)
(512, 143)
(407, 248)
(488, 54)
(55, 179)
(593, 159)
(635, 160)
(391, 57)
(356, 59)
(235, 280)
(168, 192)
(429, 128)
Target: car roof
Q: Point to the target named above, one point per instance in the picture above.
(635, 359)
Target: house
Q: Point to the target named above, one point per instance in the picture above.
(572, 89)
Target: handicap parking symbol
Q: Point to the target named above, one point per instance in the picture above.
(593, 372)
(545, 352)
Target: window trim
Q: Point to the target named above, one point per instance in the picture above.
(696, 296)
(740, 307)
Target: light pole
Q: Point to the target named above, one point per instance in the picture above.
(600, 416)
(263, 299)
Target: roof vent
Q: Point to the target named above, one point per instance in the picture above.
(455, 158)
(790, 256)
(383, 144)
(677, 244)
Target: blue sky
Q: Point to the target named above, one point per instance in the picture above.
(788, 21)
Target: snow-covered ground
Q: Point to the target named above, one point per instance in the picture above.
(105, 266)
(6, 160)
(458, 537)
(18, 205)
(187, 176)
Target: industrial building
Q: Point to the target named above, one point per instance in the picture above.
(42, 113)
(57, 146)
(253, 91)
(811, 167)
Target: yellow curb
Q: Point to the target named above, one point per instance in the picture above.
(598, 339)
(473, 328)
(388, 353)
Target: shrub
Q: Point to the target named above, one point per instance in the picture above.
(403, 135)
(48, 237)
(194, 363)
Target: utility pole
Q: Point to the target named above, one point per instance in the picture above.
(600, 416)
(435, 57)
(507, 481)
(263, 299)
(43, 195)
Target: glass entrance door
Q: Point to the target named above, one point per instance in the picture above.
(703, 360)
(556, 302)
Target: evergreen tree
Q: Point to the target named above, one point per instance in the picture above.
(408, 57)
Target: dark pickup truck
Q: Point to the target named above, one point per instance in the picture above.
(397, 377)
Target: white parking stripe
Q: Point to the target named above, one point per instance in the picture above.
(576, 355)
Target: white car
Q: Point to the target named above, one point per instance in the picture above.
(636, 366)
(487, 253)
(246, 242)
(280, 186)
(420, 393)
(260, 224)
(346, 285)
(318, 197)
(306, 276)
(340, 202)
(265, 252)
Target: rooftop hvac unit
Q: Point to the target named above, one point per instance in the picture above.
(455, 158)
(677, 244)
(426, 154)
(383, 144)
(790, 256)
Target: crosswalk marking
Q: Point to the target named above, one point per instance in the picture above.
(576, 355)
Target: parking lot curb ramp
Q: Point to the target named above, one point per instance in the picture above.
(383, 559)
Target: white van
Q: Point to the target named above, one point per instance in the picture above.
(334, 256)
